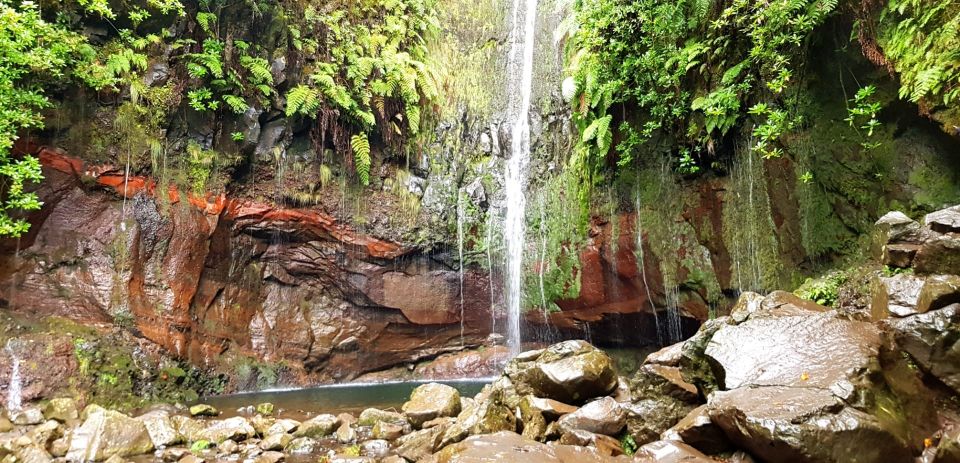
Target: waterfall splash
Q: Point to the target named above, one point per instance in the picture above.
(15, 388)
(519, 89)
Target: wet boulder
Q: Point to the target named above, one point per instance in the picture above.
(938, 292)
(318, 426)
(485, 417)
(420, 444)
(944, 221)
(896, 295)
(804, 424)
(203, 410)
(647, 419)
(931, 339)
(570, 372)
(431, 401)
(28, 416)
(511, 447)
(372, 416)
(938, 255)
(236, 428)
(698, 431)
(106, 433)
(667, 451)
(602, 416)
(802, 385)
(276, 441)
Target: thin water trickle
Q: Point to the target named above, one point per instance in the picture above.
(519, 89)
(493, 312)
(643, 272)
(460, 219)
(15, 387)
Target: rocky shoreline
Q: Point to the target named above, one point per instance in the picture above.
(780, 379)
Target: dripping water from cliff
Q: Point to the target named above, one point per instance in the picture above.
(519, 89)
(460, 218)
(15, 387)
(643, 270)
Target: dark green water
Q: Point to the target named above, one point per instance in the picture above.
(350, 398)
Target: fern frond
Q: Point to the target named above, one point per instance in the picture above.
(361, 156)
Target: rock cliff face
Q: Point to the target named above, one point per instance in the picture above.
(198, 275)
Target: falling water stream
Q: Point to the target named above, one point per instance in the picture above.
(460, 219)
(520, 83)
(643, 272)
(14, 389)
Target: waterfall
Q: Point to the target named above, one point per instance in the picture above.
(14, 389)
(643, 272)
(460, 219)
(520, 83)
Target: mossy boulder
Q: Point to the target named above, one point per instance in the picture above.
(107, 433)
(372, 416)
(62, 409)
(570, 372)
(431, 401)
(318, 426)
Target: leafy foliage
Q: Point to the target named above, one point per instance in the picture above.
(690, 68)
(920, 39)
(32, 53)
(378, 73)
(361, 156)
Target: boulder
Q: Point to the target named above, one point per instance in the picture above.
(375, 448)
(511, 447)
(804, 424)
(265, 408)
(602, 416)
(372, 416)
(570, 372)
(105, 433)
(228, 447)
(652, 381)
(431, 401)
(302, 446)
(46, 432)
(698, 431)
(605, 445)
(931, 339)
(899, 255)
(387, 431)
(551, 409)
(283, 426)
(803, 384)
(806, 349)
(61, 409)
(647, 419)
(276, 441)
(938, 255)
(318, 426)
(187, 427)
(667, 451)
(33, 454)
(895, 295)
(944, 221)
(486, 417)
(160, 428)
(28, 416)
(346, 434)
(420, 444)
(203, 410)
(236, 428)
(938, 292)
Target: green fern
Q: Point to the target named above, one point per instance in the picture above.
(302, 100)
(361, 157)
(237, 104)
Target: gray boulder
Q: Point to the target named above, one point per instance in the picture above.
(570, 372)
(106, 433)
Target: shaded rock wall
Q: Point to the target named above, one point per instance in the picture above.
(201, 275)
